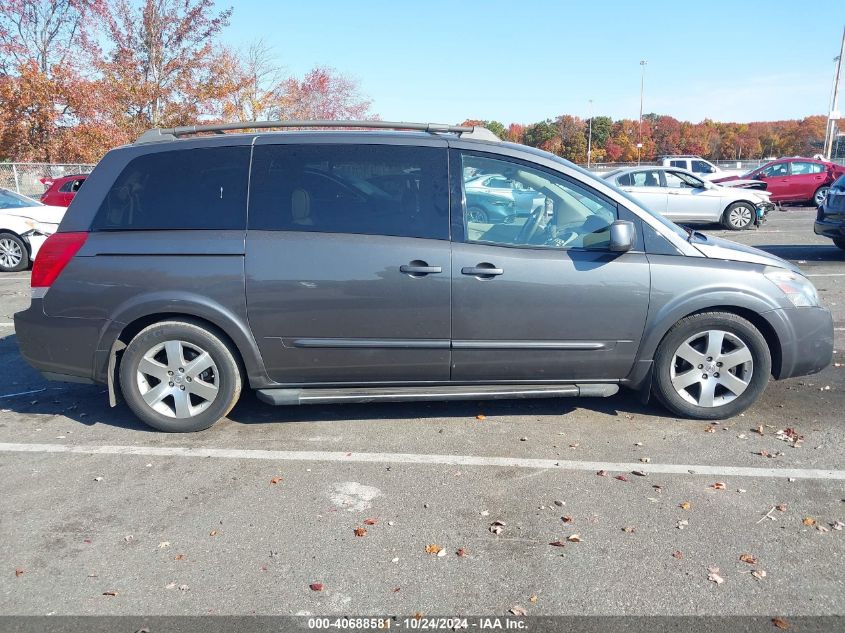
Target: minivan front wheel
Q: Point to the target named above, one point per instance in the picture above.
(711, 366)
(179, 377)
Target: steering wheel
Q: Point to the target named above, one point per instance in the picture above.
(529, 229)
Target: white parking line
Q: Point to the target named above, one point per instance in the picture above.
(441, 460)
(13, 278)
(827, 275)
(10, 324)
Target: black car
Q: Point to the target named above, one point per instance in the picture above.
(830, 220)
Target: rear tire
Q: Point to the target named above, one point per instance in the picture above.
(179, 377)
(477, 214)
(711, 366)
(840, 243)
(739, 216)
(14, 255)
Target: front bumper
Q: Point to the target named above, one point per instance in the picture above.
(806, 340)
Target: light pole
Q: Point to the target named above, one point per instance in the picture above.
(640, 132)
(590, 136)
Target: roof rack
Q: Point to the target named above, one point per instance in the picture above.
(171, 134)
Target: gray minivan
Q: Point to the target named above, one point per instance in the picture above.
(343, 266)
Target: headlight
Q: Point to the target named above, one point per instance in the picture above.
(798, 289)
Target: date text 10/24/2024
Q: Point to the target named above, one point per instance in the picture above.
(417, 623)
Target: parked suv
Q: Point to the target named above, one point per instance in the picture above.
(696, 164)
(190, 267)
(830, 215)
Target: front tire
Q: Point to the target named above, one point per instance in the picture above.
(477, 215)
(179, 377)
(14, 255)
(739, 216)
(711, 366)
(820, 195)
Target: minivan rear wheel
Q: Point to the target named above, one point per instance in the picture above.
(179, 377)
(711, 366)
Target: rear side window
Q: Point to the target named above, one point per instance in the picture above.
(181, 189)
(367, 189)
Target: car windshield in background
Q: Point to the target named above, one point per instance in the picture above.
(12, 200)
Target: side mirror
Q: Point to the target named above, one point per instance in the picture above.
(621, 236)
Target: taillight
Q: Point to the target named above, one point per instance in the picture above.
(53, 256)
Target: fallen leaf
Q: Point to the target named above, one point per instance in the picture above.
(496, 527)
(759, 574)
(213, 533)
(780, 508)
(461, 552)
(602, 473)
(709, 429)
(128, 538)
(170, 585)
(441, 553)
(183, 587)
(809, 521)
(557, 544)
(164, 544)
(98, 478)
(838, 525)
(397, 589)
(638, 473)
(682, 524)
(748, 558)
(316, 586)
(533, 599)
(645, 460)
(686, 505)
(677, 554)
(359, 531)
(433, 549)
(629, 529)
(714, 575)
(560, 503)
(517, 610)
(822, 528)
(275, 480)
(621, 478)
(179, 557)
(575, 445)
(18, 572)
(370, 521)
(481, 416)
(574, 538)
(567, 519)
(780, 623)
(718, 486)
(758, 430)
(109, 593)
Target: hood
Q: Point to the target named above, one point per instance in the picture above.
(48, 214)
(719, 248)
(745, 183)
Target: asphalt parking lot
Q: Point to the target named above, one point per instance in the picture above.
(258, 515)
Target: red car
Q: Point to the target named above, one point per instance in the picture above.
(795, 179)
(60, 191)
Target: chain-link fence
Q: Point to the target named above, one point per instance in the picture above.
(26, 178)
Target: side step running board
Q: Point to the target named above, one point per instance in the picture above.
(449, 392)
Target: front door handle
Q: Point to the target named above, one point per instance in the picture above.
(419, 268)
(484, 270)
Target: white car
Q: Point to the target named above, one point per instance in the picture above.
(24, 226)
(681, 196)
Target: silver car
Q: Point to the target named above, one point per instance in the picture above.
(681, 196)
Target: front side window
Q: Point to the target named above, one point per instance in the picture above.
(773, 171)
(700, 167)
(545, 210)
(680, 180)
(395, 190)
(678, 163)
(181, 189)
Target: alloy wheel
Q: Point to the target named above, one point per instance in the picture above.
(740, 216)
(711, 368)
(10, 253)
(177, 379)
(820, 195)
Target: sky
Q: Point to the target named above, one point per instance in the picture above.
(524, 61)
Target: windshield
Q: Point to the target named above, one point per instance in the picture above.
(12, 200)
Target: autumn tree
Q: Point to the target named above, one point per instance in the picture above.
(322, 94)
(158, 62)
